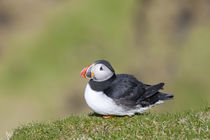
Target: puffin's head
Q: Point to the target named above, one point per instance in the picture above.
(100, 70)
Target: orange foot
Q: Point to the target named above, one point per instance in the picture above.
(107, 116)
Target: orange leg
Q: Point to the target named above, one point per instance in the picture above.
(107, 116)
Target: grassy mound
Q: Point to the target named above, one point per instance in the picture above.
(189, 124)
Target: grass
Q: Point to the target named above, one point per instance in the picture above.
(183, 125)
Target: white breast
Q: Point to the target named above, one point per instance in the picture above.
(100, 103)
(104, 105)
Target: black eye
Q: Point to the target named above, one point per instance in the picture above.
(101, 68)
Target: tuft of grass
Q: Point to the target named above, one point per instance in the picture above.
(183, 125)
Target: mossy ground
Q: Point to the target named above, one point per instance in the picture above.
(183, 125)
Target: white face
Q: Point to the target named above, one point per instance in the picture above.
(100, 72)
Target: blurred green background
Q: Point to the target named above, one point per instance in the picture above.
(45, 44)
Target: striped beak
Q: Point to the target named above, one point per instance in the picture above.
(86, 72)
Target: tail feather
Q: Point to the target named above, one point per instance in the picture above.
(152, 90)
(153, 96)
(156, 98)
(164, 96)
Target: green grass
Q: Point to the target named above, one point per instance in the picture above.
(189, 124)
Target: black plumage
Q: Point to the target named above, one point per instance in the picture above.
(126, 90)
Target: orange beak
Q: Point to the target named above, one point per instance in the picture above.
(84, 72)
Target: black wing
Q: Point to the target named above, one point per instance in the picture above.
(125, 86)
(127, 90)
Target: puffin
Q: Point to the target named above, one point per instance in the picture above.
(110, 94)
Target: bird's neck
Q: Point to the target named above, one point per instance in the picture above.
(102, 85)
